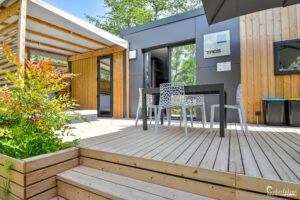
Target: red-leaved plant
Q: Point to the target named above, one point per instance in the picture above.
(33, 109)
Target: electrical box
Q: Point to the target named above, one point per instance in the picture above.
(224, 66)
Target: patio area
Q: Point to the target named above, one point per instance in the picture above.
(265, 156)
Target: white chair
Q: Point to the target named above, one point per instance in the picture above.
(172, 96)
(194, 101)
(239, 107)
(150, 107)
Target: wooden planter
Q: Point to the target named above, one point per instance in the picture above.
(34, 178)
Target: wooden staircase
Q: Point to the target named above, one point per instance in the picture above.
(97, 178)
(85, 183)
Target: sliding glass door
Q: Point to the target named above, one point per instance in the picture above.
(182, 67)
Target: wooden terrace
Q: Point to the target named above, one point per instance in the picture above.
(238, 166)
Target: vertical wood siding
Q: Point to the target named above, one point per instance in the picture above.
(118, 92)
(84, 86)
(258, 32)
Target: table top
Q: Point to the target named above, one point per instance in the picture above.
(193, 89)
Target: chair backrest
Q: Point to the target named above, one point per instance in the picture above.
(172, 95)
(149, 98)
(239, 95)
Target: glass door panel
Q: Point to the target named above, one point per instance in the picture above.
(183, 67)
(105, 86)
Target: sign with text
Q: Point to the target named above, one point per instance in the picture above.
(217, 44)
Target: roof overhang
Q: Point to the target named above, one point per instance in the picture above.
(53, 30)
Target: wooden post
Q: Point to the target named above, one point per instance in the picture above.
(22, 30)
(127, 86)
(28, 54)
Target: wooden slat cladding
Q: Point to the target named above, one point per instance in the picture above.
(84, 86)
(9, 36)
(258, 32)
(34, 178)
(118, 92)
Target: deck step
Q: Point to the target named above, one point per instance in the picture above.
(83, 182)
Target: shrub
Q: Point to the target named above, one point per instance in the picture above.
(32, 120)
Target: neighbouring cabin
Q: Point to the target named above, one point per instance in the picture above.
(246, 43)
(37, 31)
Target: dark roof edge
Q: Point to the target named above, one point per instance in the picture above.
(164, 21)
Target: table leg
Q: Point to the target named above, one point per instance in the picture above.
(222, 113)
(144, 111)
(225, 96)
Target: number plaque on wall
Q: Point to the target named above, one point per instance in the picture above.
(216, 44)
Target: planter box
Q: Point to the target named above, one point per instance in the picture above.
(34, 178)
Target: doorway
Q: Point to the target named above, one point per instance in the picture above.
(171, 64)
(105, 86)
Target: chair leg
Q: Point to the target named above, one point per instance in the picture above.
(150, 115)
(155, 114)
(244, 119)
(137, 115)
(157, 119)
(203, 116)
(212, 113)
(191, 117)
(169, 117)
(185, 120)
(180, 118)
(241, 119)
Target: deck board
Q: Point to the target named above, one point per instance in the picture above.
(235, 158)
(266, 152)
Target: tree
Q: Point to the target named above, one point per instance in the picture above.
(125, 14)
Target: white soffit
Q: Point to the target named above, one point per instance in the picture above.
(45, 12)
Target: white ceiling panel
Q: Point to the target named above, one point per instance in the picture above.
(49, 49)
(52, 15)
(54, 42)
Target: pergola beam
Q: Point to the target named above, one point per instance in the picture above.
(33, 19)
(51, 46)
(22, 30)
(99, 52)
(45, 51)
(10, 11)
(57, 39)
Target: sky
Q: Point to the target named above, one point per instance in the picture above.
(79, 8)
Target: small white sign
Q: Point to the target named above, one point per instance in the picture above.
(216, 44)
(132, 54)
(224, 66)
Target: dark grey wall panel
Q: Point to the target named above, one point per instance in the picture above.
(207, 68)
(184, 30)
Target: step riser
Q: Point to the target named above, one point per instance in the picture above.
(71, 192)
(187, 185)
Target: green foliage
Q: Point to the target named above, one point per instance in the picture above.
(8, 166)
(125, 14)
(32, 120)
(183, 64)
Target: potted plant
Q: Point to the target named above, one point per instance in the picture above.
(33, 122)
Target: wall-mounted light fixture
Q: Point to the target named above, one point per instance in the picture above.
(132, 54)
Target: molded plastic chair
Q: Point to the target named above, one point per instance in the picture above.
(150, 107)
(193, 101)
(239, 107)
(172, 95)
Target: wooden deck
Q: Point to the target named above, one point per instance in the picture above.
(265, 156)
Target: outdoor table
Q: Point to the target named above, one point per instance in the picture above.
(192, 89)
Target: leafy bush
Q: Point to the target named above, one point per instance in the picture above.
(32, 119)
